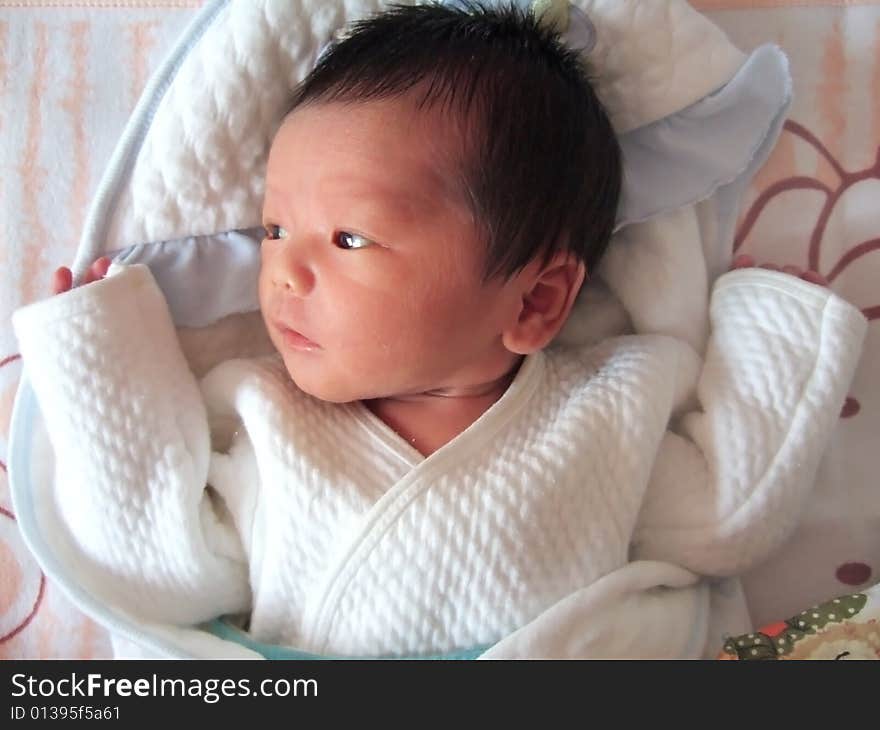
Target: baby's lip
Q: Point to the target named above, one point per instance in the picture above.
(296, 339)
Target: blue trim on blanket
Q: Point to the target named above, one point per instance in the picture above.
(684, 158)
(226, 631)
(203, 278)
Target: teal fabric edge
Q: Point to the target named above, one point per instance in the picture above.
(224, 630)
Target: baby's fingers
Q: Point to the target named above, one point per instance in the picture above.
(814, 277)
(62, 280)
(98, 270)
(743, 261)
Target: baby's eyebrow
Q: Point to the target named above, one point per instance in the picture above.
(391, 199)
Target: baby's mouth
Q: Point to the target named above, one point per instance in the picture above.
(296, 340)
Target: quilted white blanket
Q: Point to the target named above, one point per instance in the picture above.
(336, 536)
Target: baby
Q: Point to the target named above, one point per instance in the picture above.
(416, 471)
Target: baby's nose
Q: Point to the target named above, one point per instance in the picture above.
(298, 279)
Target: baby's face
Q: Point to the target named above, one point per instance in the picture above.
(370, 284)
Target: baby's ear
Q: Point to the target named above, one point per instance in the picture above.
(548, 292)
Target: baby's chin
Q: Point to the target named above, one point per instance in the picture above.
(325, 387)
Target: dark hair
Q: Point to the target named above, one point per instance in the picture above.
(541, 170)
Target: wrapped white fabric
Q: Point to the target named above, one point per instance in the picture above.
(566, 478)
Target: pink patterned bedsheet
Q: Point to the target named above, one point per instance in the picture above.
(71, 72)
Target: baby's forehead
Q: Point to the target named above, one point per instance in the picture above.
(410, 119)
(387, 144)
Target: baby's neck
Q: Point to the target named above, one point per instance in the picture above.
(431, 419)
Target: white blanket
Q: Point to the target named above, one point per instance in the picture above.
(336, 536)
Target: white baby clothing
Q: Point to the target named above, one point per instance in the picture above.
(186, 499)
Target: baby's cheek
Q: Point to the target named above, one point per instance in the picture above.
(394, 331)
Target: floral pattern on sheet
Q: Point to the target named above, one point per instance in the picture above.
(833, 195)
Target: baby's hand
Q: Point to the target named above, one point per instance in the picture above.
(62, 281)
(744, 261)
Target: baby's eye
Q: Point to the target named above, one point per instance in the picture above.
(274, 232)
(347, 240)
